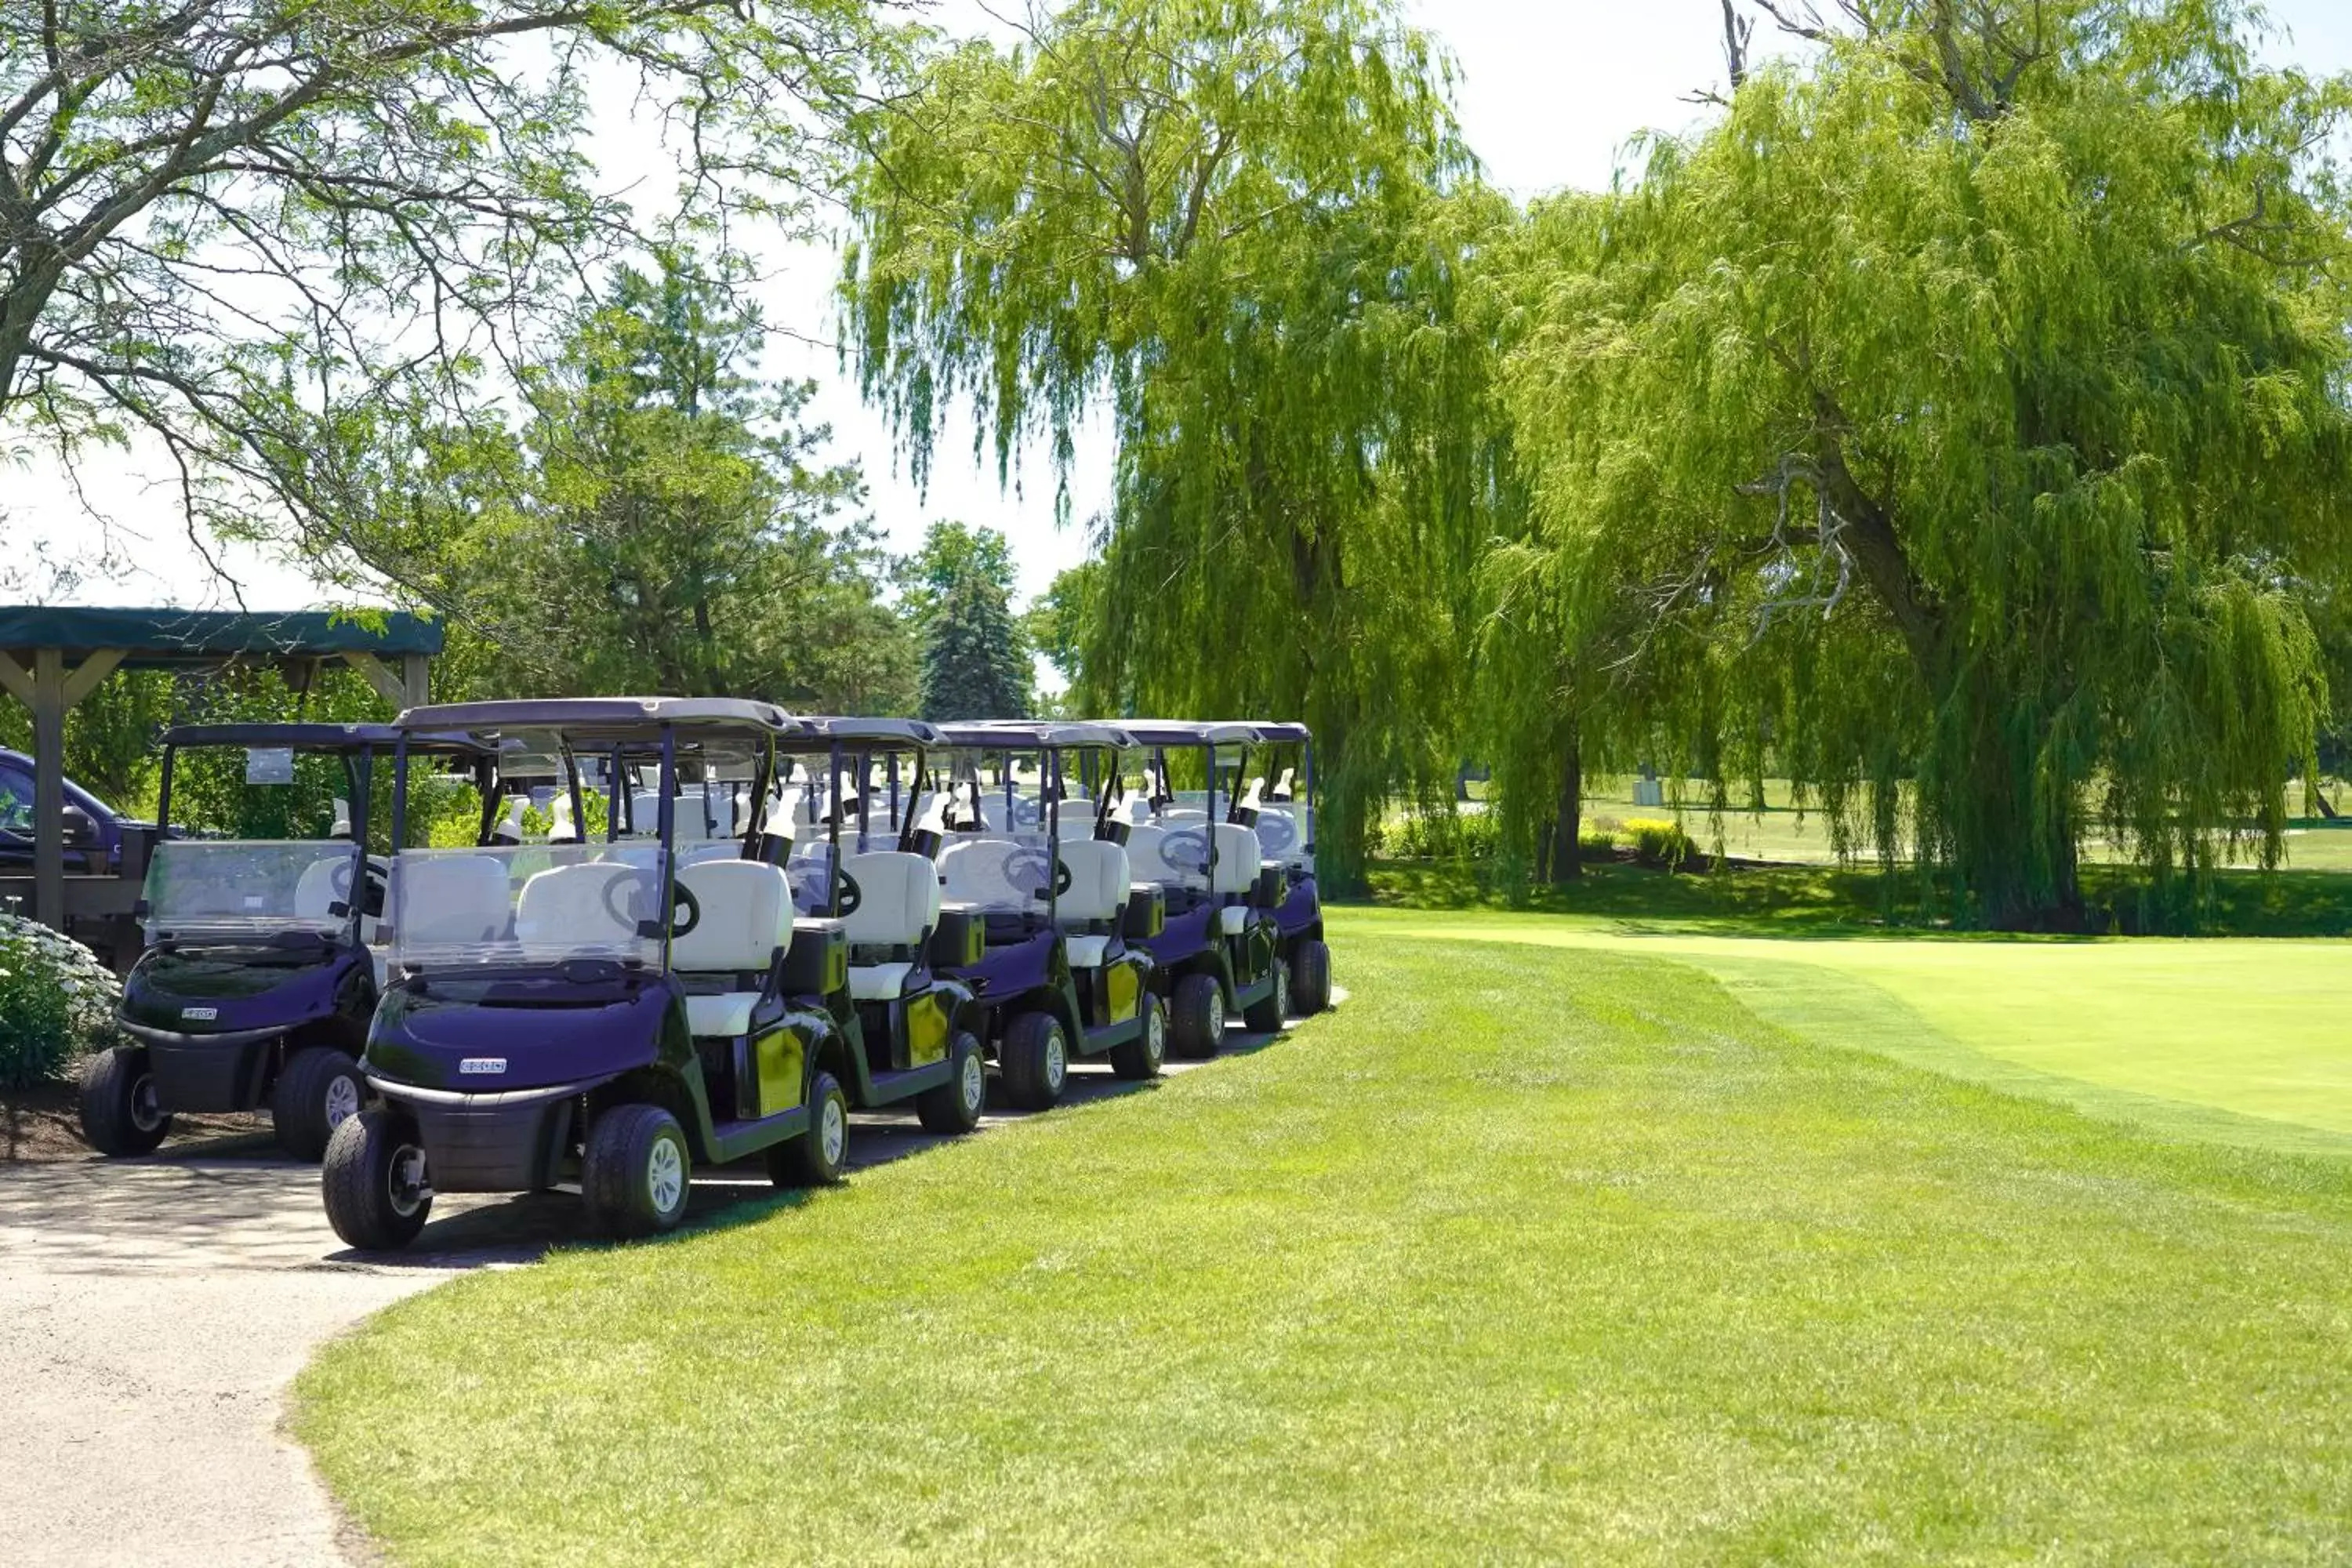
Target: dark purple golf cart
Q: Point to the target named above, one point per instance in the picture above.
(613, 1005)
(1188, 832)
(1033, 863)
(1276, 792)
(262, 964)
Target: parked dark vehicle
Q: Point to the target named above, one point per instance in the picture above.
(609, 1011)
(261, 971)
(93, 828)
(1056, 938)
(1221, 952)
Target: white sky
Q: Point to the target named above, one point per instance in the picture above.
(1549, 91)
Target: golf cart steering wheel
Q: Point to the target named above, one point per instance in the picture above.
(852, 895)
(1275, 833)
(691, 905)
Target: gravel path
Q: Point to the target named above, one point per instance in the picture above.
(152, 1311)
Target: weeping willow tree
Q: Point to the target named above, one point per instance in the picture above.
(1966, 410)
(1242, 226)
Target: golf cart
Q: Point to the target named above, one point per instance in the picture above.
(592, 1007)
(1038, 873)
(260, 971)
(1218, 952)
(1282, 797)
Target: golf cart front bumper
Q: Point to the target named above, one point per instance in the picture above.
(506, 1140)
(225, 1071)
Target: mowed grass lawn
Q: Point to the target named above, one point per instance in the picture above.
(1527, 1252)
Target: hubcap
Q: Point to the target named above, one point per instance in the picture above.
(1155, 1037)
(1217, 1015)
(835, 1132)
(975, 1083)
(343, 1101)
(146, 1105)
(1058, 1061)
(1282, 989)
(665, 1175)
(404, 1179)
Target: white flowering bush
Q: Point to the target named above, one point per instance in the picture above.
(57, 1002)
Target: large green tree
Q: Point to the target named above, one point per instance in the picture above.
(974, 663)
(258, 233)
(1244, 226)
(1964, 413)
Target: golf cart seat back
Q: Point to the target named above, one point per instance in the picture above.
(746, 919)
(1146, 859)
(574, 905)
(1095, 899)
(323, 885)
(1077, 819)
(897, 905)
(1235, 873)
(451, 899)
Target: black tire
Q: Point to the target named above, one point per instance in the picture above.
(1265, 1017)
(1036, 1061)
(816, 1158)
(1196, 1019)
(374, 1181)
(954, 1107)
(1310, 977)
(319, 1090)
(636, 1172)
(120, 1112)
(1141, 1057)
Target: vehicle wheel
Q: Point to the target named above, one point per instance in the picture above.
(1141, 1057)
(1310, 978)
(815, 1159)
(955, 1106)
(318, 1091)
(121, 1113)
(375, 1180)
(1266, 1018)
(1036, 1061)
(635, 1171)
(1196, 1025)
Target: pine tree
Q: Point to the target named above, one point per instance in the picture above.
(973, 664)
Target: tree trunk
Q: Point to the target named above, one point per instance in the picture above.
(1568, 820)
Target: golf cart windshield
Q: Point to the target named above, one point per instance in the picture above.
(995, 858)
(526, 906)
(230, 888)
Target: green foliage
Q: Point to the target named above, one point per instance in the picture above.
(1963, 409)
(1248, 225)
(110, 734)
(1055, 623)
(974, 666)
(56, 999)
(949, 553)
(1657, 841)
(1438, 832)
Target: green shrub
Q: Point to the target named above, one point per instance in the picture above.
(1658, 842)
(57, 1001)
(1441, 834)
(1597, 844)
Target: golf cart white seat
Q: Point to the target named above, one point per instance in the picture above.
(973, 872)
(746, 919)
(1146, 858)
(317, 891)
(897, 905)
(1235, 873)
(1078, 818)
(451, 899)
(572, 907)
(1097, 895)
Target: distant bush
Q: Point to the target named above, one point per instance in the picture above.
(1597, 844)
(1658, 842)
(57, 1001)
(1440, 835)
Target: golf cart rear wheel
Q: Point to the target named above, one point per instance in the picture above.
(955, 1106)
(634, 1172)
(1265, 1017)
(375, 1182)
(1036, 1061)
(816, 1158)
(318, 1091)
(121, 1113)
(1310, 978)
(1141, 1057)
(1196, 1025)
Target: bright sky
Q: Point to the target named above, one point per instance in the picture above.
(1549, 91)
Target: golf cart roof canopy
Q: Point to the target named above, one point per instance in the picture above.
(322, 738)
(1193, 732)
(911, 731)
(1021, 734)
(1273, 732)
(605, 717)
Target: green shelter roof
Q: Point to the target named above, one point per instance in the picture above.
(181, 636)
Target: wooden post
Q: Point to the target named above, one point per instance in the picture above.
(414, 672)
(49, 787)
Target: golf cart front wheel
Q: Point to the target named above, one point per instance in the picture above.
(1197, 1021)
(374, 1182)
(1265, 1017)
(634, 1172)
(120, 1111)
(318, 1091)
(816, 1158)
(955, 1106)
(1141, 1057)
(1310, 978)
(1036, 1061)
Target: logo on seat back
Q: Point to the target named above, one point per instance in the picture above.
(482, 1065)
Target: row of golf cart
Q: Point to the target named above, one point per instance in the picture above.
(674, 932)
